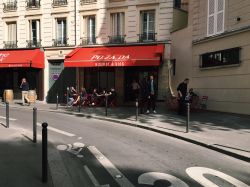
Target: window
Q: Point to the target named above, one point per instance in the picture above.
(215, 22)
(177, 3)
(12, 35)
(33, 4)
(34, 40)
(10, 5)
(147, 26)
(61, 32)
(221, 58)
(89, 36)
(117, 28)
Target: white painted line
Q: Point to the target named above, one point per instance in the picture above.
(113, 171)
(58, 130)
(11, 119)
(91, 176)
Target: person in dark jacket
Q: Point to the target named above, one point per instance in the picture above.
(151, 94)
(25, 88)
(182, 93)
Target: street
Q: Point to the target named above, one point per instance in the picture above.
(118, 155)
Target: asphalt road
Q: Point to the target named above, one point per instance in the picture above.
(128, 156)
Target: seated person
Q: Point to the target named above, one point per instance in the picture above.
(82, 96)
(111, 96)
(191, 94)
(95, 97)
(71, 95)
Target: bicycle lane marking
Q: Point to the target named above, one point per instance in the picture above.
(111, 169)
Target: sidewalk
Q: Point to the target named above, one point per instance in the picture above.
(223, 132)
(20, 160)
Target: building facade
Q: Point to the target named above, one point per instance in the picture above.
(58, 27)
(219, 32)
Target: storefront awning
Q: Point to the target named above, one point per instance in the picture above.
(22, 58)
(115, 56)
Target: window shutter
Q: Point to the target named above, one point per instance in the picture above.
(220, 16)
(211, 17)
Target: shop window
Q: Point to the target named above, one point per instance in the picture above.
(215, 22)
(221, 58)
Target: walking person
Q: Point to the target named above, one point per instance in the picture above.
(151, 94)
(182, 93)
(25, 88)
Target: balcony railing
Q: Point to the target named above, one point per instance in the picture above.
(117, 39)
(88, 41)
(10, 44)
(147, 37)
(59, 2)
(33, 4)
(10, 6)
(33, 43)
(88, 1)
(60, 42)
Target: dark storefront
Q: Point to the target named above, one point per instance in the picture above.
(18, 64)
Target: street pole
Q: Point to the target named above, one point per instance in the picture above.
(34, 124)
(7, 115)
(136, 105)
(56, 101)
(44, 153)
(106, 105)
(188, 117)
(67, 97)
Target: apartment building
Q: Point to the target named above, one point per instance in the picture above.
(217, 37)
(91, 43)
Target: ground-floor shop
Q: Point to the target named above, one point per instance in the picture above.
(117, 67)
(18, 64)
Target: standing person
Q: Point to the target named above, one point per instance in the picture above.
(182, 93)
(25, 88)
(151, 94)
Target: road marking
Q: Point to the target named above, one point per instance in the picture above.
(151, 177)
(11, 119)
(197, 173)
(111, 169)
(58, 130)
(91, 176)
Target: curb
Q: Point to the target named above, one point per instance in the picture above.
(103, 118)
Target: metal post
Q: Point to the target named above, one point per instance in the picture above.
(34, 124)
(7, 115)
(137, 111)
(67, 95)
(44, 153)
(106, 105)
(188, 117)
(56, 101)
(79, 105)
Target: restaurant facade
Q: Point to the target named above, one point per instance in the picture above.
(92, 44)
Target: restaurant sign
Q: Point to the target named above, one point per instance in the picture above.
(3, 56)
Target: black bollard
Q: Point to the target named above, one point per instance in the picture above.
(44, 153)
(106, 105)
(7, 115)
(56, 101)
(34, 124)
(188, 117)
(137, 111)
(67, 96)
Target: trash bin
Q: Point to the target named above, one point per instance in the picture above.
(32, 96)
(8, 96)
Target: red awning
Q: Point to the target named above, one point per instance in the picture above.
(115, 56)
(22, 58)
